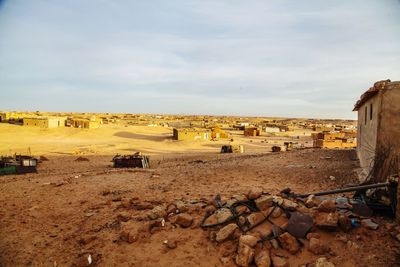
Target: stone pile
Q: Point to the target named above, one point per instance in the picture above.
(260, 229)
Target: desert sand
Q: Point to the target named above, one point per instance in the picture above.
(112, 139)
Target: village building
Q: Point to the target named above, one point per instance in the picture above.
(218, 133)
(44, 122)
(378, 135)
(4, 116)
(191, 134)
(251, 131)
(333, 140)
(84, 123)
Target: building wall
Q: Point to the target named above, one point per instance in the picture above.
(367, 135)
(181, 135)
(272, 130)
(55, 122)
(44, 122)
(38, 122)
(388, 136)
(251, 132)
(82, 123)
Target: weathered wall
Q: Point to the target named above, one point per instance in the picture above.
(38, 122)
(388, 144)
(367, 135)
(55, 122)
(181, 135)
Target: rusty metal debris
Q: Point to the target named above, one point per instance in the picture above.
(136, 160)
(232, 149)
(18, 164)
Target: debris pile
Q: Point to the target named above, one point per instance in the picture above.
(258, 228)
(232, 149)
(17, 164)
(136, 160)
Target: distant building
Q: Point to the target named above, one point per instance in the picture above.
(191, 134)
(84, 123)
(44, 122)
(272, 129)
(333, 140)
(379, 130)
(251, 131)
(4, 116)
(218, 133)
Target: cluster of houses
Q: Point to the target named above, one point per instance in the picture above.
(27, 119)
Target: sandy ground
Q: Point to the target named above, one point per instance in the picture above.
(70, 209)
(109, 139)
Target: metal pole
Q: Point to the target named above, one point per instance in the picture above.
(347, 189)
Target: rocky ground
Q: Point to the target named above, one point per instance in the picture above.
(85, 213)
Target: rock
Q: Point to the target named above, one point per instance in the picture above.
(254, 193)
(327, 221)
(209, 209)
(240, 197)
(264, 202)
(172, 208)
(264, 230)
(156, 212)
(123, 217)
(184, 220)
(245, 255)
(223, 215)
(248, 240)
(345, 223)
(263, 258)
(171, 244)
(277, 212)
(226, 232)
(274, 243)
(311, 201)
(289, 243)
(255, 218)
(226, 261)
(289, 204)
(327, 206)
(278, 261)
(143, 205)
(317, 247)
(311, 235)
(128, 237)
(368, 223)
(332, 178)
(181, 206)
(323, 262)
(278, 200)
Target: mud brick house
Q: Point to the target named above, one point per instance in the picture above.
(191, 134)
(44, 122)
(4, 116)
(218, 133)
(84, 123)
(251, 131)
(378, 135)
(333, 140)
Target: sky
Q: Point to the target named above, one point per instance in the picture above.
(247, 58)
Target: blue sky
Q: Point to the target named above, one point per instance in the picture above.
(259, 58)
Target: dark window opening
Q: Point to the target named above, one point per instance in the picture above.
(366, 114)
(370, 112)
